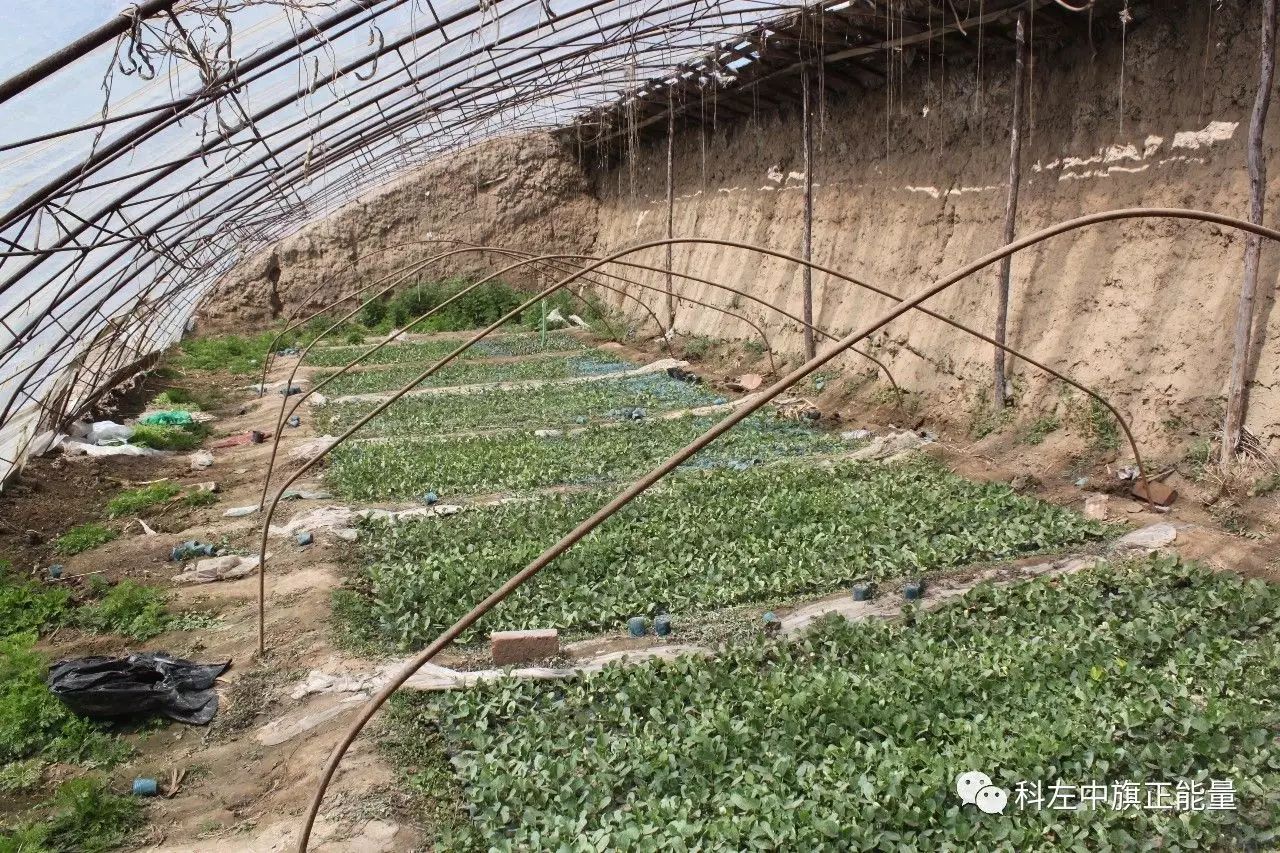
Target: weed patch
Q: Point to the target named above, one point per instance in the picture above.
(133, 501)
(35, 724)
(1041, 428)
(232, 353)
(199, 498)
(27, 606)
(84, 816)
(168, 437)
(84, 538)
(130, 609)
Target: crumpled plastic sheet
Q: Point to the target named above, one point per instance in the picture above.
(138, 685)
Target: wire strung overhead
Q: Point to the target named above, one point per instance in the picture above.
(213, 128)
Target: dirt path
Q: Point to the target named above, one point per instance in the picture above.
(250, 774)
(241, 791)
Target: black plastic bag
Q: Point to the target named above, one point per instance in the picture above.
(142, 684)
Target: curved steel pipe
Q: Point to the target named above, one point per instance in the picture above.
(283, 417)
(735, 417)
(291, 324)
(528, 259)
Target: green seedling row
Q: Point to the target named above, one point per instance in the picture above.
(474, 373)
(424, 352)
(851, 738)
(544, 406)
(706, 540)
(471, 465)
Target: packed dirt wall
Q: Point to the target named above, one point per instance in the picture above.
(1142, 310)
(519, 192)
(909, 183)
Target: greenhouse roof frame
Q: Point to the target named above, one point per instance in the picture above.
(298, 107)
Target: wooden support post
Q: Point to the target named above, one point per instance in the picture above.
(1010, 212)
(1237, 387)
(807, 131)
(671, 207)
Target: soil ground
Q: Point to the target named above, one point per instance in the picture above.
(245, 783)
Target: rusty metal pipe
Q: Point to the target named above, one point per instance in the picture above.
(283, 417)
(645, 482)
(291, 325)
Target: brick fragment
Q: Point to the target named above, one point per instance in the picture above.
(508, 647)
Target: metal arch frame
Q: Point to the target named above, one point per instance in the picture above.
(516, 79)
(644, 483)
(292, 326)
(247, 192)
(360, 130)
(285, 411)
(528, 259)
(564, 283)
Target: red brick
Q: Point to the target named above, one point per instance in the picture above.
(1161, 495)
(509, 647)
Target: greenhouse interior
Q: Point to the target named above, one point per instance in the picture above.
(600, 425)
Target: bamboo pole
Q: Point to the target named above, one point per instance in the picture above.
(810, 347)
(1237, 387)
(1010, 216)
(671, 207)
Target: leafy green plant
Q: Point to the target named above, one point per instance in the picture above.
(131, 609)
(20, 776)
(133, 501)
(27, 606)
(703, 542)
(83, 538)
(422, 352)
(544, 406)
(84, 817)
(851, 736)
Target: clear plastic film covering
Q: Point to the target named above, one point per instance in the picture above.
(143, 164)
